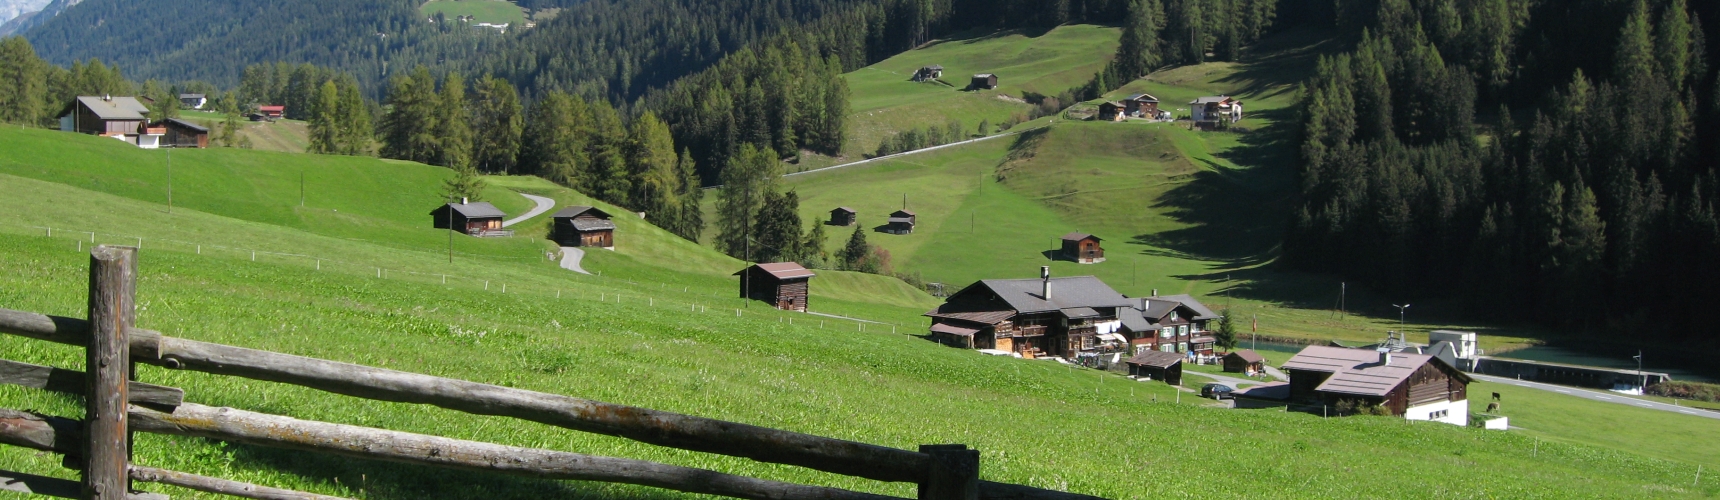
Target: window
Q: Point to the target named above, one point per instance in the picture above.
(1436, 415)
(1182, 330)
(1168, 332)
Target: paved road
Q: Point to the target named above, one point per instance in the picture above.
(1230, 381)
(917, 151)
(570, 257)
(1275, 373)
(1590, 395)
(543, 205)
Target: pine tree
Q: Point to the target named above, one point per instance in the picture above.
(497, 118)
(750, 175)
(353, 120)
(409, 127)
(812, 253)
(691, 217)
(325, 135)
(453, 123)
(23, 97)
(464, 185)
(553, 144)
(652, 165)
(855, 251)
(1225, 334)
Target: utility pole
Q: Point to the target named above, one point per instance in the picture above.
(302, 197)
(1642, 380)
(169, 180)
(746, 255)
(1400, 314)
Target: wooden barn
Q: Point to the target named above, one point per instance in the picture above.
(1112, 111)
(983, 81)
(582, 226)
(843, 216)
(1412, 386)
(932, 72)
(479, 219)
(782, 284)
(1034, 318)
(1157, 365)
(1245, 362)
(104, 115)
(184, 134)
(1082, 248)
(901, 222)
(1142, 105)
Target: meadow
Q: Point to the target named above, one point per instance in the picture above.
(483, 11)
(288, 136)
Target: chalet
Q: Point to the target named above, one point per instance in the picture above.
(1412, 386)
(121, 118)
(1033, 318)
(782, 284)
(1155, 365)
(1142, 106)
(1082, 248)
(932, 72)
(582, 226)
(1245, 362)
(272, 112)
(1172, 323)
(1112, 111)
(983, 81)
(1209, 111)
(901, 222)
(193, 101)
(479, 219)
(184, 134)
(843, 216)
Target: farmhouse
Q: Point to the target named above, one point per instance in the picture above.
(1082, 248)
(1033, 317)
(932, 72)
(272, 112)
(843, 216)
(193, 101)
(1155, 365)
(582, 226)
(1173, 323)
(1412, 386)
(184, 134)
(1142, 106)
(1112, 111)
(782, 284)
(122, 118)
(983, 81)
(479, 219)
(1245, 362)
(1208, 112)
(901, 222)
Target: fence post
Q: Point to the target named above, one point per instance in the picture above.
(113, 282)
(954, 473)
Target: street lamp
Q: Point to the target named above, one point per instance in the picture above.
(1400, 312)
(1642, 380)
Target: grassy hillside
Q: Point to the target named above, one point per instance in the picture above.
(289, 136)
(483, 11)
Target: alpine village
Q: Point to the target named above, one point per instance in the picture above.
(859, 249)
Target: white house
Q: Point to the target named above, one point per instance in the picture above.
(1213, 109)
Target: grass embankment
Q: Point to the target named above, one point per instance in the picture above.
(288, 136)
(482, 11)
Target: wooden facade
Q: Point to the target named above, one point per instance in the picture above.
(1244, 362)
(184, 134)
(783, 285)
(1082, 248)
(843, 216)
(1398, 382)
(1142, 105)
(583, 226)
(901, 222)
(983, 81)
(105, 116)
(1112, 111)
(1014, 316)
(472, 218)
(1157, 366)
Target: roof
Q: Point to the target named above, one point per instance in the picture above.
(577, 210)
(902, 213)
(1132, 319)
(592, 224)
(1158, 359)
(1113, 104)
(187, 124)
(1271, 390)
(1247, 355)
(901, 220)
(190, 96)
(954, 330)
(1154, 308)
(1079, 312)
(113, 108)
(981, 317)
(936, 67)
(477, 210)
(782, 270)
(271, 107)
(844, 210)
(1142, 98)
(1079, 237)
(985, 75)
(1200, 310)
(1210, 99)
(1358, 371)
(1023, 295)
(1202, 338)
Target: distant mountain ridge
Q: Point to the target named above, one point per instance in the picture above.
(16, 16)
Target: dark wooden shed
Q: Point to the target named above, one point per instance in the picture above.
(843, 216)
(1082, 248)
(1157, 365)
(901, 222)
(184, 134)
(784, 285)
(1112, 111)
(1244, 361)
(582, 226)
(476, 218)
(983, 81)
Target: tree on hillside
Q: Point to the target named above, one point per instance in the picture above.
(352, 117)
(1138, 51)
(453, 124)
(691, 220)
(750, 175)
(855, 251)
(464, 185)
(652, 163)
(1225, 334)
(161, 101)
(23, 97)
(778, 228)
(408, 129)
(606, 172)
(498, 122)
(812, 253)
(325, 121)
(553, 143)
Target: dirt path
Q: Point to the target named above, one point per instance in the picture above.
(570, 257)
(543, 205)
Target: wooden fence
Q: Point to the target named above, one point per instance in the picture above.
(117, 405)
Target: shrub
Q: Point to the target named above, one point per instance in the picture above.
(1686, 390)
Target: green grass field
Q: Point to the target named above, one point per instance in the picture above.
(288, 136)
(483, 11)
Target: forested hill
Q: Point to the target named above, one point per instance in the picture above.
(1547, 161)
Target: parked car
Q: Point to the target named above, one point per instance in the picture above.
(1216, 391)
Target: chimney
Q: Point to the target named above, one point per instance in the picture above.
(462, 200)
(1155, 292)
(1045, 282)
(107, 97)
(1385, 356)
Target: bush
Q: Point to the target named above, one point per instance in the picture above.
(1686, 390)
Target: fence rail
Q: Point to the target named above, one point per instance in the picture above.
(941, 471)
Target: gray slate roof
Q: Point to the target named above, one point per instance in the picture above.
(592, 224)
(1159, 359)
(1358, 371)
(1201, 311)
(576, 210)
(981, 317)
(1210, 99)
(1079, 312)
(1023, 295)
(1079, 237)
(901, 220)
(1131, 318)
(477, 210)
(118, 108)
(1143, 98)
(188, 125)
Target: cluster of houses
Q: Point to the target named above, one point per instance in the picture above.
(127, 119)
(982, 81)
(900, 221)
(574, 226)
(1206, 112)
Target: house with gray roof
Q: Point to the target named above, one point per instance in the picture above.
(1170, 323)
(1057, 317)
(1412, 386)
(583, 226)
(475, 218)
(1208, 111)
(121, 118)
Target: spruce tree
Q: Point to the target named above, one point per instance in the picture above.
(409, 127)
(353, 119)
(691, 217)
(325, 134)
(453, 124)
(464, 185)
(1225, 334)
(855, 251)
(497, 118)
(23, 97)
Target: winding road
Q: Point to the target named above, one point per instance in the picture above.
(1596, 396)
(543, 205)
(570, 257)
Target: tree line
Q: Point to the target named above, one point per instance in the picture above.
(1583, 201)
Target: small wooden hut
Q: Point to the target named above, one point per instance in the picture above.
(1245, 362)
(473, 218)
(582, 226)
(901, 222)
(1157, 365)
(843, 216)
(983, 81)
(1112, 111)
(184, 134)
(784, 285)
(1082, 248)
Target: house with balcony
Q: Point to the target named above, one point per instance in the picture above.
(1170, 323)
(1034, 318)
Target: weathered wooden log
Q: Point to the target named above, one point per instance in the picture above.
(645, 425)
(55, 487)
(73, 382)
(220, 486)
(108, 359)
